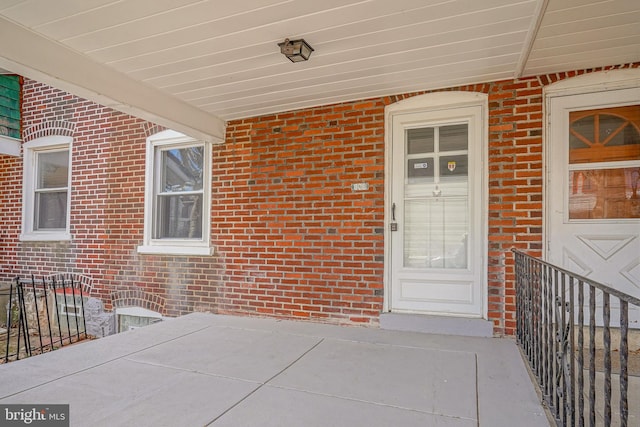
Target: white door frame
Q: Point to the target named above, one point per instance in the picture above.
(436, 102)
(583, 84)
(578, 92)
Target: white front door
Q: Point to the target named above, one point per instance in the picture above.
(436, 212)
(593, 187)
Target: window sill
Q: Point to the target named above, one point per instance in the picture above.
(175, 250)
(45, 236)
(10, 146)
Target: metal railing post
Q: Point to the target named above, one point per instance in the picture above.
(549, 311)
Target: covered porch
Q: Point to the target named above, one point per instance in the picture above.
(204, 369)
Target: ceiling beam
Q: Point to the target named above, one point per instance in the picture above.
(36, 57)
(532, 34)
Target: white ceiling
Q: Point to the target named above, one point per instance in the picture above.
(203, 59)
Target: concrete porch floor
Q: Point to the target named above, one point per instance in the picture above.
(205, 369)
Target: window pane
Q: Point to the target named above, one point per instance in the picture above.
(581, 132)
(420, 170)
(50, 210)
(420, 141)
(435, 233)
(604, 193)
(612, 129)
(53, 169)
(453, 176)
(179, 217)
(454, 167)
(453, 138)
(604, 135)
(182, 169)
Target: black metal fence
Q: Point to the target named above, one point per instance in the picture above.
(555, 309)
(42, 315)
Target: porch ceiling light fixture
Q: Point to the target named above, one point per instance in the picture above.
(296, 50)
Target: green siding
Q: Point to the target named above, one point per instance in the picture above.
(10, 105)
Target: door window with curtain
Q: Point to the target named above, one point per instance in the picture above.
(604, 163)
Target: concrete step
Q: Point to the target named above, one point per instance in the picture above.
(443, 325)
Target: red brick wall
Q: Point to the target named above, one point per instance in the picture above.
(291, 238)
(296, 240)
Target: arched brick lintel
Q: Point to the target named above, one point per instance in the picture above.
(152, 129)
(138, 298)
(50, 128)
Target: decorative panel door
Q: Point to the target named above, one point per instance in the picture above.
(593, 187)
(436, 237)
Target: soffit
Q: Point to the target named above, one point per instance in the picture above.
(222, 58)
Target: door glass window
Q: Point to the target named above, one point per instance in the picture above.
(604, 163)
(453, 138)
(420, 141)
(420, 170)
(436, 205)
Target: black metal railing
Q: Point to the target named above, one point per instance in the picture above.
(552, 317)
(42, 315)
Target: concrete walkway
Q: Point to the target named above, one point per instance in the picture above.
(204, 369)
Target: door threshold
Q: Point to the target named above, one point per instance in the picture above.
(443, 325)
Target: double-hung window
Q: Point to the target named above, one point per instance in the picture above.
(177, 196)
(46, 189)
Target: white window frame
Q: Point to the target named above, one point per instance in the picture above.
(30, 168)
(171, 246)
